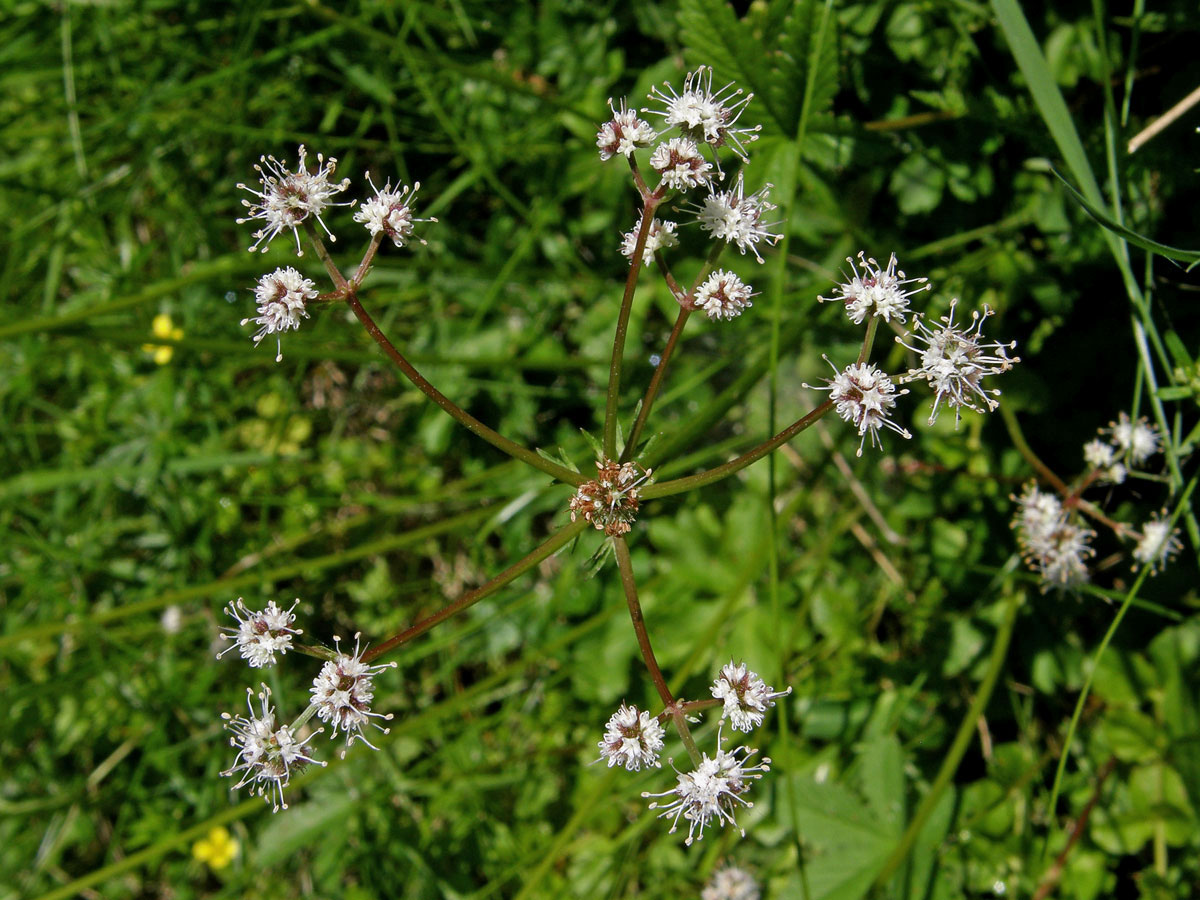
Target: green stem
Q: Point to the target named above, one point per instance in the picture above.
(685, 734)
(365, 265)
(1095, 664)
(625, 566)
(468, 421)
(614, 369)
(868, 339)
(655, 381)
(966, 730)
(691, 482)
(687, 304)
(339, 280)
(547, 549)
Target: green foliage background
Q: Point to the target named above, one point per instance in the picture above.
(877, 591)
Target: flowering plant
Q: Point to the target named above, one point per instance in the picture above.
(698, 123)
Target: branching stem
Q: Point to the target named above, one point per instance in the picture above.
(547, 549)
(614, 370)
(625, 567)
(691, 482)
(464, 418)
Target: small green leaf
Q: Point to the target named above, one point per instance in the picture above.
(1176, 253)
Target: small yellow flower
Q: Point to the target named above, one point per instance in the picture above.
(163, 328)
(217, 849)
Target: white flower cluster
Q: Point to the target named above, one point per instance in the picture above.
(268, 751)
(1053, 542)
(661, 236)
(715, 789)
(730, 883)
(1130, 444)
(1157, 543)
(723, 295)
(701, 117)
(623, 133)
(864, 396)
(285, 200)
(282, 297)
(704, 115)
(745, 696)
(734, 218)
(343, 691)
(954, 358)
(633, 738)
(260, 634)
(390, 212)
(875, 291)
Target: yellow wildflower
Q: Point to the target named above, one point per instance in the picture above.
(217, 849)
(164, 329)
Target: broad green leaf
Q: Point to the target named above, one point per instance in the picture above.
(774, 60)
(849, 847)
(882, 775)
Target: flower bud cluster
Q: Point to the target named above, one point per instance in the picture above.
(610, 501)
(269, 752)
(715, 788)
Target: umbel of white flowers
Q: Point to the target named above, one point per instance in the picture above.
(268, 751)
(285, 200)
(716, 788)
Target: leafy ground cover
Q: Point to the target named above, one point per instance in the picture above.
(953, 731)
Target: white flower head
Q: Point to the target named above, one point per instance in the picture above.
(660, 237)
(281, 297)
(704, 115)
(715, 789)
(1140, 440)
(1063, 565)
(623, 133)
(745, 695)
(287, 198)
(342, 693)
(1053, 546)
(1102, 458)
(955, 360)
(863, 395)
(260, 634)
(1039, 516)
(680, 164)
(171, 619)
(1099, 455)
(733, 217)
(1157, 544)
(723, 295)
(390, 212)
(632, 738)
(730, 883)
(875, 291)
(268, 753)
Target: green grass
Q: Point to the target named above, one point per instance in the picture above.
(948, 722)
